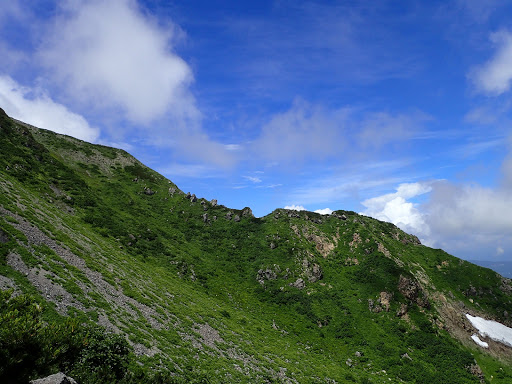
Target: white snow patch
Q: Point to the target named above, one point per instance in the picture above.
(492, 329)
(481, 343)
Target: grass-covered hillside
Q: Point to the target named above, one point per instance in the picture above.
(111, 273)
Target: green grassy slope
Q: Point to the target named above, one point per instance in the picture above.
(205, 293)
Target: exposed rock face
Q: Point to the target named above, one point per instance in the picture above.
(356, 240)
(213, 202)
(193, 198)
(475, 370)
(205, 218)
(299, 284)
(58, 378)
(408, 287)
(385, 299)
(4, 237)
(172, 191)
(405, 238)
(247, 212)
(148, 191)
(267, 274)
(229, 215)
(402, 311)
(413, 291)
(272, 246)
(236, 218)
(312, 271)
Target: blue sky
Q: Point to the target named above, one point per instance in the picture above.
(397, 110)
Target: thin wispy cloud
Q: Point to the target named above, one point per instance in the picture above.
(253, 179)
(495, 76)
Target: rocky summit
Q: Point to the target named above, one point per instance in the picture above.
(110, 273)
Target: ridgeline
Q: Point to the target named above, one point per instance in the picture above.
(110, 273)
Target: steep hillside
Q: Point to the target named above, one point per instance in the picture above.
(205, 293)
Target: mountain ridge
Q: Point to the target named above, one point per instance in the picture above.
(210, 293)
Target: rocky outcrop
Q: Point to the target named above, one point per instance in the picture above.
(213, 202)
(413, 291)
(311, 271)
(58, 378)
(408, 287)
(299, 284)
(236, 218)
(383, 303)
(402, 311)
(148, 191)
(267, 274)
(247, 212)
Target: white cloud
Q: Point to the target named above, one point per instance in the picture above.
(253, 179)
(303, 132)
(34, 107)
(378, 129)
(197, 147)
(181, 170)
(395, 208)
(295, 207)
(469, 210)
(325, 211)
(233, 147)
(469, 221)
(110, 54)
(312, 133)
(495, 76)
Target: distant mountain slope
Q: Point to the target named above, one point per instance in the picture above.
(205, 293)
(504, 268)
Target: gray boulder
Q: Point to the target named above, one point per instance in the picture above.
(58, 378)
(299, 284)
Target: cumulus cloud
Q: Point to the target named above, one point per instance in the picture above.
(397, 209)
(33, 106)
(324, 211)
(470, 221)
(495, 76)
(110, 54)
(295, 207)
